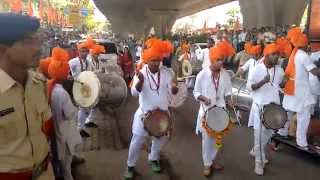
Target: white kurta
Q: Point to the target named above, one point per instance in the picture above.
(268, 93)
(303, 96)
(249, 67)
(75, 66)
(64, 115)
(204, 86)
(150, 99)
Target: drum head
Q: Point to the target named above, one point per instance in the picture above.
(157, 123)
(274, 116)
(217, 119)
(186, 68)
(178, 99)
(86, 89)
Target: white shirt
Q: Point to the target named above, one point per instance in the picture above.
(269, 92)
(205, 58)
(75, 66)
(249, 67)
(242, 36)
(314, 80)
(302, 96)
(138, 51)
(64, 118)
(151, 99)
(204, 86)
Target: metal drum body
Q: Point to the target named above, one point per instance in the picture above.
(274, 116)
(113, 90)
(196, 66)
(217, 119)
(157, 123)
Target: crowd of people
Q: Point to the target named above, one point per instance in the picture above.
(40, 125)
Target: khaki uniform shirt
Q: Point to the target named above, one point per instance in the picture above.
(23, 111)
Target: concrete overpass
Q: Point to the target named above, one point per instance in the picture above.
(139, 16)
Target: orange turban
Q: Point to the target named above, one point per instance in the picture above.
(215, 53)
(284, 47)
(97, 49)
(157, 50)
(150, 42)
(300, 40)
(58, 70)
(59, 67)
(270, 49)
(60, 54)
(255, 50)
(247, 47)
(88, 44)
(226, 49)
(293, 32)
(44, 65)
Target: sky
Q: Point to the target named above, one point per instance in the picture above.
(212, 16)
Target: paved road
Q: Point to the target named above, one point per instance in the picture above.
(183, 154)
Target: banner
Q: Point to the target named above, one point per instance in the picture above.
(74, 16)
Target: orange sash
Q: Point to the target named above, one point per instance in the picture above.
(289, 88)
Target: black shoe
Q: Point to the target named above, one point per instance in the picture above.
(129, 174)
(91, 125)
(84, 134)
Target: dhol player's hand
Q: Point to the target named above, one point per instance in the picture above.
(140, 77)
(207, 101)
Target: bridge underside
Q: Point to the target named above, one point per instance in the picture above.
(139, 16)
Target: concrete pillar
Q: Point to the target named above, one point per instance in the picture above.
(257, 13)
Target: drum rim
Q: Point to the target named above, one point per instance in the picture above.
(263, 120)
(99, 89)
(224, 109)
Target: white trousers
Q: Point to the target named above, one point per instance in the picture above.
(66, 165)
(303, 120)
(265, 138)
(83, 114)
(136, 144)
(209, 149)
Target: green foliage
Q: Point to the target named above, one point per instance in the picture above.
(232, 14)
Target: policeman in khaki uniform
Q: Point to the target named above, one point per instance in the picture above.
(24, 110)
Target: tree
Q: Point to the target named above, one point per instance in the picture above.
(232, 14)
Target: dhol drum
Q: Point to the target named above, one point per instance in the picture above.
(274, 116)
(196, 66)
(109, 68)
(86, 89)
(105, 90)
(216, 123)
(157, 123)
(178, 99)
(113, 92)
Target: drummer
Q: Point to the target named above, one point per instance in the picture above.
(78, 65)
(152, 85)
(213, 84)
(265, 84)
(95, 64)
